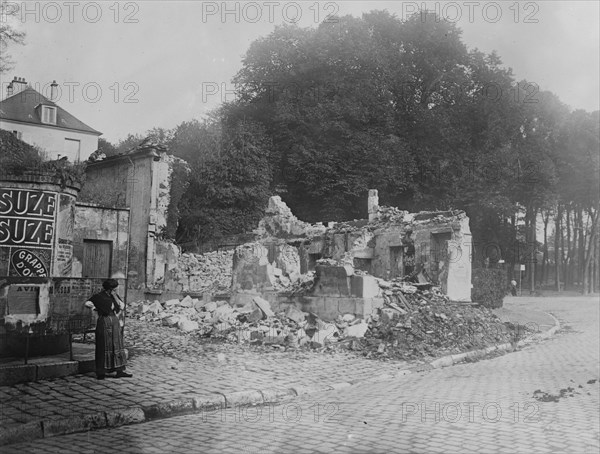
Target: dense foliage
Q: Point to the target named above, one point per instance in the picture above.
(324, 114)
(18, 158)
(489, 287)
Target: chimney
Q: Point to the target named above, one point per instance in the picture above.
(18, 84)
(53, 91)
(373, 204)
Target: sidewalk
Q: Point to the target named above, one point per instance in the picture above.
(219, 375)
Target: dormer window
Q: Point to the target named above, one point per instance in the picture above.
(49, 115)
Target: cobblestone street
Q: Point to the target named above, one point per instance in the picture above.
(217, 368)
(544, 398)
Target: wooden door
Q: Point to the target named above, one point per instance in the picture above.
(97, 257)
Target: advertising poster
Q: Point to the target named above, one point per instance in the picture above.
(27, 225)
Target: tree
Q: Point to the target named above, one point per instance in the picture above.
(9, 34)
(349, 107)
(104, 146)
(579, 193)
(229, 179)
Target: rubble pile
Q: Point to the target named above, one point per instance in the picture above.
(303, 285)
(417, 321)
(387, 214)
(205, 273)
(254, 323)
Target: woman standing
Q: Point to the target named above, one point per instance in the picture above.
(110, 353)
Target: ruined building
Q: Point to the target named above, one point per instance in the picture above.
(345, 258)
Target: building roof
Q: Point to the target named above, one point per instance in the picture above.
(21, 107)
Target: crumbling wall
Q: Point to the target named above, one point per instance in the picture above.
(434, 245)
(101, 223)
(279, 222)
(459, 271)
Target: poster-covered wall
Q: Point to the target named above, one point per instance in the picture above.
(27, 225)
(36, 232)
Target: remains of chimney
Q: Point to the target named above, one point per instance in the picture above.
(373, 204)
(53, 91)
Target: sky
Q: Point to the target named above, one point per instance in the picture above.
(126, 67)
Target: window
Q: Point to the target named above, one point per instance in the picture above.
(73, 149)
(49, 115)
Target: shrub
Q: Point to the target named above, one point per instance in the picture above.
(489, 287)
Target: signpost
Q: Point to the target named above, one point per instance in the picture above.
(520, 276)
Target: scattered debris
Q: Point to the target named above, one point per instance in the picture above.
(417, 321)
(203, 273)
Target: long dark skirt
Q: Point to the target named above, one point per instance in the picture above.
(110, 354)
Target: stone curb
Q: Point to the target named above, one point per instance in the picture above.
(450, 360)
(136, 414)
(25, 373)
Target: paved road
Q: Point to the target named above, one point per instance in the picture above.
(544, 398)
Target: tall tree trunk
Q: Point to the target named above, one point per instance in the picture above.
(557, 251)
(582, 242)
(573, 262)
(596, 285)
(544, 273)
(590, 251)
(533, 245)
(568, 260)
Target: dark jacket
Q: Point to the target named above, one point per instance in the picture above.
(105, 304)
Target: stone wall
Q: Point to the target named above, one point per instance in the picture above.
(106, 224)
(143, 177)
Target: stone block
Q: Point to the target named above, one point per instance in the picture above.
(187, 302)
(208, 403)
(62, 369)
(210, 307)
(264, 306)
(21, 373)
(277, 395)
(347, 306)
(331, 280)
(364, 286)
(241, 398)
(23, 432)
(88, 365)
(357, 330)
(124, 416)
(187, 326)
(171, 302)
(295, 314)
(365, 253)
(80, 423)
(370, 306)
(167, 409)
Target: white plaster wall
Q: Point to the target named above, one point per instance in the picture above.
(459, 267)
(52, 139)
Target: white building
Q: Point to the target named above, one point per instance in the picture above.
(39, 121)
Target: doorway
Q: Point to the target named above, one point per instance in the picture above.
(97, 258)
